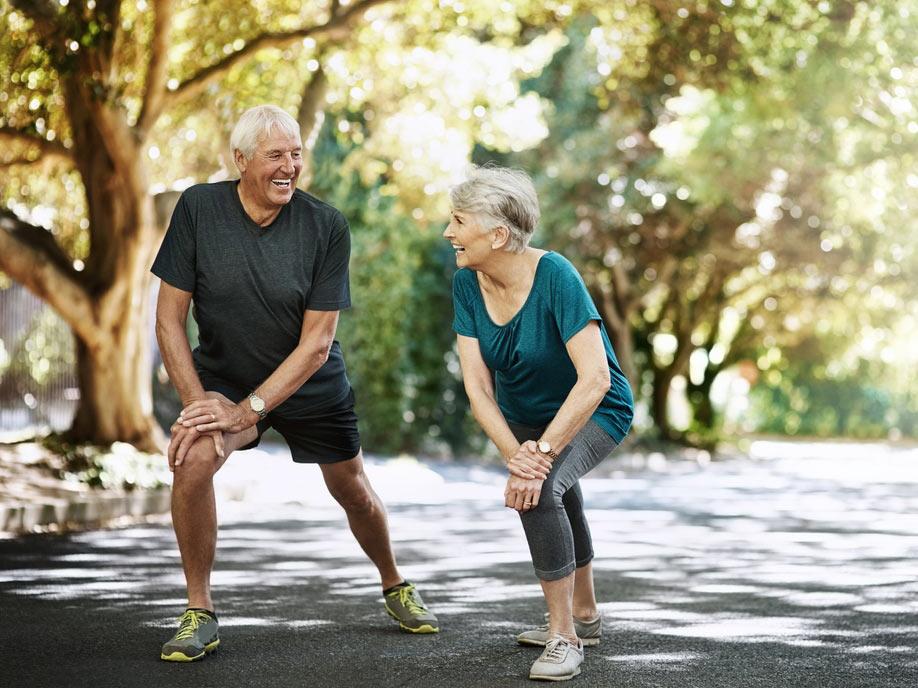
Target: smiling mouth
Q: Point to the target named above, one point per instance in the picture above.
(458, 249)
(281, 183)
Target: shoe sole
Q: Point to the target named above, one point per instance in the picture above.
(567, 677)
(179, 657)
(425, 628)
(587, 642)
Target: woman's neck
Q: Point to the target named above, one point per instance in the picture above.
(506, 272)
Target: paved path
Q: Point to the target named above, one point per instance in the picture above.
(789, 571)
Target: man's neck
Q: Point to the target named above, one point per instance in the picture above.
(259, 215)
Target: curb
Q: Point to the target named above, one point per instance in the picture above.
(88, 510)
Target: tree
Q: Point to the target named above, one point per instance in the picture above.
(692, 169)
(99, 95)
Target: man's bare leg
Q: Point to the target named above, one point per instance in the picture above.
(194, 512)
(366, 515)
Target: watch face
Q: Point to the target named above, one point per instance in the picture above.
(257, 404)
(544, 446)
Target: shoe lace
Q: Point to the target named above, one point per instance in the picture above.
(409, 599)
(189, 623)
(555, 649)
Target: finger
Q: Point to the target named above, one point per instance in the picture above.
(198, 408)
(170, 455)
(198, 421)
(533, 496)
(183, 448)
(198, 414)
(218, 444)
(520, 499)
(518, 471)
(540, 469)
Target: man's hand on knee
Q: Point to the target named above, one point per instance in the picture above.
(182, 440)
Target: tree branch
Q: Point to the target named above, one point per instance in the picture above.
(157, 70)
(30, 256)
(336, 28)
(47, 148)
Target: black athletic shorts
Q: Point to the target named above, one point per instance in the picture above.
(325, 435)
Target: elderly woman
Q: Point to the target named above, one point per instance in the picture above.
(545, 386)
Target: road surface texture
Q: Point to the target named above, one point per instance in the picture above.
(794, 566)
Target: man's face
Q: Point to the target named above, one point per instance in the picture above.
(269, 177)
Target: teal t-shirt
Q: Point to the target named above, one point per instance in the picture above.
(533, 372)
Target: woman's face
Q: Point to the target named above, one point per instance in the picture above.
(468, 238)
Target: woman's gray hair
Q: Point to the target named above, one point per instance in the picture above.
(256, 124)
(503, 195)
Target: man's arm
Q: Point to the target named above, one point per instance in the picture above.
(171, 315)
(316, 338)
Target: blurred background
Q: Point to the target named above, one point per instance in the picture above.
(735, 179)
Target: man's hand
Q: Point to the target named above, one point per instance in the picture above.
(529, 462)
(184, 436)
(522, 494)
(215, 413)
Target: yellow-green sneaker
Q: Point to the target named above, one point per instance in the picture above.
(197, 636)
(404, 604)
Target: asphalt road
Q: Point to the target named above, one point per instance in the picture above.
(795, 568)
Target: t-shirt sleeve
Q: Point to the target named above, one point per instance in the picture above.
(175, 262)
(331, 290)
(572, 305)
(463, 318)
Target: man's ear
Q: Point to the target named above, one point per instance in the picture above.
(499, 237)
(239, 159)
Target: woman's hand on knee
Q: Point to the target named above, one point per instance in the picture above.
(522, 494)
(529, 462)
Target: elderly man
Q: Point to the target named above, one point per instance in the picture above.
(267, 267)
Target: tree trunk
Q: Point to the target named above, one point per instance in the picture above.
(662, 381)
(115, 381)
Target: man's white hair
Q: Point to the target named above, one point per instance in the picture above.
(256, 124)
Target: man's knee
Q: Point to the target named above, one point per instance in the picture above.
(353, 493)
(201, 462)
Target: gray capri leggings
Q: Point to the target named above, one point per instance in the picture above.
(557, 530)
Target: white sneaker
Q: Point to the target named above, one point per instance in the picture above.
(590, 632)
(559, 661)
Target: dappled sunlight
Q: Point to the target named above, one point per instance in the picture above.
(748, 553)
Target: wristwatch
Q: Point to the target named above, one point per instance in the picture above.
(546, 449)
(258, 405)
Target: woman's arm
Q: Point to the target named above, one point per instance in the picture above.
(480, 389)
(588, 355)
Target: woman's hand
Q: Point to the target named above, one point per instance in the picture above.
(522, 494)
(218, 413)
(529, 462)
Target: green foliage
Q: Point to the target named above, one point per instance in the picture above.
(802, 399)
(396, 338)
(116, 466)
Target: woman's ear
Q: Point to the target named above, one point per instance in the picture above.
(500, 235)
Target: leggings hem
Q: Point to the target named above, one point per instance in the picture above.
(557, 574)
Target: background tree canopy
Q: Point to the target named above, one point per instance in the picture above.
(735, 178)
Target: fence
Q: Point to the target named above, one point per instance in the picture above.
(38, 385)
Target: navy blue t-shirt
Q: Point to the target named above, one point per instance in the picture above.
(252, 285)
(533, 372)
